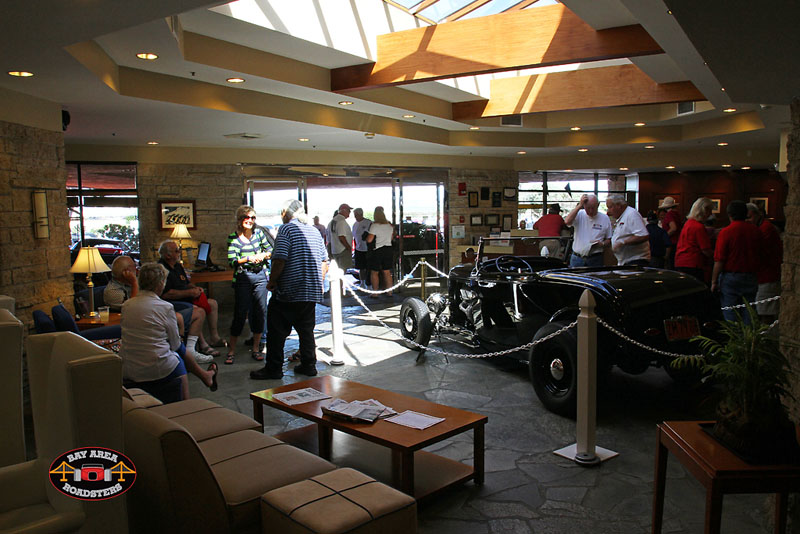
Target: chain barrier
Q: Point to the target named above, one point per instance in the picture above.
(402, 282)
(434, 269)
(777, 297)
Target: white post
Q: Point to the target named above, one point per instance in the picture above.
(585, 451)
(335, 274)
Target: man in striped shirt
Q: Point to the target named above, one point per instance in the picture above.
(299, 264)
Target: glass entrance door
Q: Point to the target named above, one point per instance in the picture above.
(267, 195)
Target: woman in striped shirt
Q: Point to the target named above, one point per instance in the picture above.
(248, 250)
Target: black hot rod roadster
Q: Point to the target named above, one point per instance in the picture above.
(519, 290)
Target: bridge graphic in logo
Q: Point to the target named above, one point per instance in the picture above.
(92, 473)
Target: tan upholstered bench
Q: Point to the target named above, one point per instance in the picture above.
(339, 501)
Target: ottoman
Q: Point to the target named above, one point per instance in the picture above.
(343, 500)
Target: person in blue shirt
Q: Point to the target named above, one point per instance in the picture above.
(659, 241)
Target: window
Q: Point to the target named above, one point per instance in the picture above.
(103, 203)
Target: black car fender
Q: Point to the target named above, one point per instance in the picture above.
(567, 313)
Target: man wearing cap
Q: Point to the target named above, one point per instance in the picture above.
(672, 223)
(592, 232)
(550, 225)
(342, 238)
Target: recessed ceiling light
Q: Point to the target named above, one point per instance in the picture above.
(346, 103)
(235, 80)
(302, 139)
(746, 168)
(649, 146)
(369, 135)
(149, 56)
(521, 152)
(638, 123)
(152, 142)
(567, 170)
(722, 143)
(623, 168)
(583, 150)
(474, 127)
(324, 174)
(722, 89)
(729, 110)
(726, 165)
(20, 73)
(408, 116)
(575, 128)
(388, 172)
(670, 167)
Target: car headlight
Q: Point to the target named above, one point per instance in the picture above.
(436, 303)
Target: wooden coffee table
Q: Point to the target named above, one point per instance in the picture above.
(412, 470)
(87, 323)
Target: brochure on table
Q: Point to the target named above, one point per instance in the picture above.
(300, 396)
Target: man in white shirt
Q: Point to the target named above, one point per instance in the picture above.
(592, 232)
(360, 228)
(342, 238)
(631, 240)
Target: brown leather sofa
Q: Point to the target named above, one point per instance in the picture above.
(204, 468)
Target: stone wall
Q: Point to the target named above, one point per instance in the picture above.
(496, 181)
(790, 276)
(33, 271)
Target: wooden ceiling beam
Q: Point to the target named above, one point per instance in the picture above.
(520, 5)
(548, 35)
(623, 85)
(423, 5)
(466, 10)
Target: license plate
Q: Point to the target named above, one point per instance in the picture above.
(679, 328)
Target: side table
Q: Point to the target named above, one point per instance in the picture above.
(719, 470)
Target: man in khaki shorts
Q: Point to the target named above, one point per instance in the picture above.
(342, 238)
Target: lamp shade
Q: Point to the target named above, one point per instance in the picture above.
(180, 232)
(89, 261)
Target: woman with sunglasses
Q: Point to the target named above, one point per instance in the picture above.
(248, 252)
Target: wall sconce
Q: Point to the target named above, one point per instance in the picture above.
(41, 222)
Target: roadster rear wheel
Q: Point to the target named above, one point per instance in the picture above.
(415, 322)
(553, 369)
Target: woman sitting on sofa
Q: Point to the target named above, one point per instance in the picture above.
(152, 354)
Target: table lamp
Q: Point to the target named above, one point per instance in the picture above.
(89, 261)
(180, 232)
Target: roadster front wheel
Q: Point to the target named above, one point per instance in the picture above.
(415, 322)
(553, 369)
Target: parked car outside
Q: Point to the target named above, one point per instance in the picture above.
(519, 290)
(109, 249)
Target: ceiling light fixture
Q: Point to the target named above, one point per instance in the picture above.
(474, 127)
(746, 168)
(235, 80)
(722, 89)
(149, 56)
(722, 143)
(583, 150)
(521, 152)
(345, 103)
(303, 139)
(623, 168)
(152, 142)
(648, 147)
(638, 123)
(575, 128)
(726, 165)
(369, 135)
(324, 174)
(670, 167)
(729, 110)
(567, 170)
(408, 116)
(20, 73)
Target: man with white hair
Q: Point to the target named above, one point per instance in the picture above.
(630, 240)
(342, 238)
(592, 232)
(299, 263)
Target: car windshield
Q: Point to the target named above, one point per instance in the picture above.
(527, 247)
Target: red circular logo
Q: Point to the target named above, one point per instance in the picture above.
(92, 473)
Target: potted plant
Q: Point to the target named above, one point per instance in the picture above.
(753, 376)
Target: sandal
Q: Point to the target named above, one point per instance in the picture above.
(295, 357)
(229, 359)
(257, 356)
(210, 351)
(213, 367)
(219, 343)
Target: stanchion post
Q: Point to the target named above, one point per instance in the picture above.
(335, 274)
(423, 275)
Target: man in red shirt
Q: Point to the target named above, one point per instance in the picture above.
(550, 225)
(769, 275)
(736, 261)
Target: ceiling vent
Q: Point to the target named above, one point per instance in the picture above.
(243, 135)
(685, 108)
(511, 120)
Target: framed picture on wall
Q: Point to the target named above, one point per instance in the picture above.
(476, 220)
(492, 219)
(761, 202)
(506, 222)
(509, 193)
(716, 205)
(174, 212)
(497, 199)
(484, 193)
(473, 199)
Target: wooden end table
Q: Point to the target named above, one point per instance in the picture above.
(87, 323)
(719, 470)
(413, 471)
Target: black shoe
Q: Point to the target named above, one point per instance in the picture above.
(308, 370)
(266, 374)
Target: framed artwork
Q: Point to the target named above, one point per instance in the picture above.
(473, 199)
(174, 212)
(716, 205)
(458, 232)
(509, 193)
(484, 193)
(497, 200)
(506, 222)
(492, 219)
(761, 202)
(476, 220)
